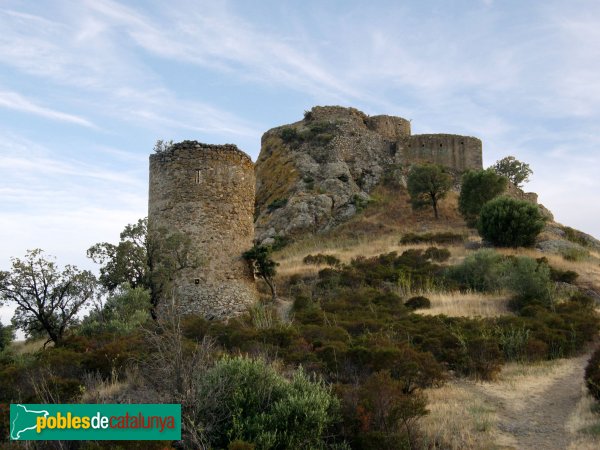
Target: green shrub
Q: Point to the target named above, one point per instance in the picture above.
(276, 204)
(477, 188)
(575, 254)
(124, 311)
(530, 281)
(321, 259)
(289, 134)
(576, 236)
(592, 375)
(442, 237)
(418, 302)
(507, 222)
(248, 400)
(480, 271)
(437, 254)
(6, 336)
(563, 276)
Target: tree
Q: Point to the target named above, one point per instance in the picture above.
(126, 262)
(168, 253)
(508, 222)
(516, 171)
(46, 297)
(6, 336)
(427, 184)
(477, 188)
(263, 265)
(144, 259)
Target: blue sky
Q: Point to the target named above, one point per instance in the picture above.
(87, 87)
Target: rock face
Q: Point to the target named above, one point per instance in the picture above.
(318, 172)
(206, 192)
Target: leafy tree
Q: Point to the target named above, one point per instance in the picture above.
(143, 259)
(427, 184)
(477, 188)
(6, 336)
(516, 171)
(508, 222)
(263, 265)
(125, 262)
(46, 297)
(168, 254)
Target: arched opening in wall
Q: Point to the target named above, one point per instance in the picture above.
(197, 177)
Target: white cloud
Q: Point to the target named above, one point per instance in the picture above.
(15, 101)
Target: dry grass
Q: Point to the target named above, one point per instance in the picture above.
(471, 304)
(585, 423)
(28, 346)
(458, 419)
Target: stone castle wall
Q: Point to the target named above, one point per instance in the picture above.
(206, 192)
(450, 150)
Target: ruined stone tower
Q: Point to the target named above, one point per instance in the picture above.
(206, 192)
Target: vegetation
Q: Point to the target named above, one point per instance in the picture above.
(321, 259)
(443, 237)
(263, 265)
(47, 298)
(516, 171)
(6, 336)
(427, 184)
(477, 188)
(507, 222)
(276, 204)
(592, 375)
(253, 403)
(125, 262)
(418, 302)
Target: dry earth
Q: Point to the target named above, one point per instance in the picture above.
(536, 407)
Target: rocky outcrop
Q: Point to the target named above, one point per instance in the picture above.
(318, 172)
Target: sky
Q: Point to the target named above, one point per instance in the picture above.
(87, 87)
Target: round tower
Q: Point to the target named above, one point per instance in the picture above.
(204, 196)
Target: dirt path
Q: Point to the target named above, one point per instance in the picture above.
(533, 409)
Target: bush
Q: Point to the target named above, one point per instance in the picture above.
(530, 281)
(321, 259)
(6, 336)
(477, 188)
(125, 311)
(289, 135)
(592, 375)
(248, 400)
(480, 271)
(418, 303)
(437, 254)
(276, 204)
(575, 254)
(507, 222)
(443, 237)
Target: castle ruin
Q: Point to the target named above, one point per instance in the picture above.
(206, 193)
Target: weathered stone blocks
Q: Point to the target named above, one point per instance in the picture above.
(206, 192)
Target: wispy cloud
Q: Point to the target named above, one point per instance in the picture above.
(15, 101)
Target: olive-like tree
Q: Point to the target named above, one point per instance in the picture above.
(516, 171)
(47, 298)
(427, 185)
(259, 256)
(477, 188)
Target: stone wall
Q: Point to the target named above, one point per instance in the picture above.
(206, 192)
(450, 150)
(318, 172)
